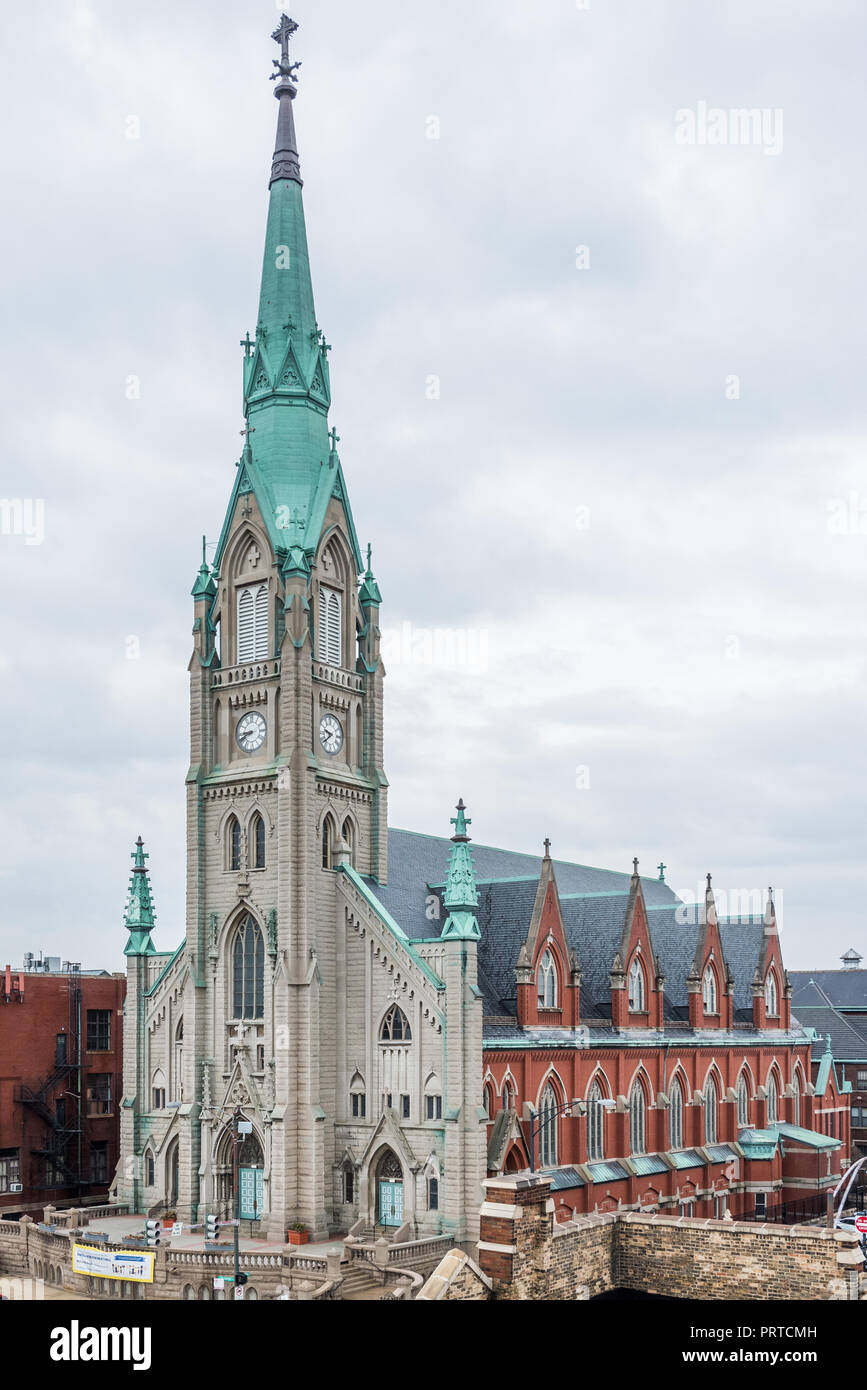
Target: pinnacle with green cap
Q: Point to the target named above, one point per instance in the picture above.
(204, 586)
(461, 896)
(139, 915)
(369, 594)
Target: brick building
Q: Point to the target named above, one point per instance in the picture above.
(60, 1074)
(833, 1003)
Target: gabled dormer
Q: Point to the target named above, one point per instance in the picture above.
(637, 982)
(772, 992)
(709, 984)
(547, 971)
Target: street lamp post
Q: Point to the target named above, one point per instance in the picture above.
(536, 1126)
(236, 1144)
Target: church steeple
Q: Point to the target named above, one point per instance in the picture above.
(288, 463)
(461, 896)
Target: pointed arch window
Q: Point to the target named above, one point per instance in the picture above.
(330, 626)
(234, 843)
(252, 623)
(248, 971)
(710, 991)
(637, 993)
(771, 1001)
(595, 1124)
(637, 1105)
(348, 838)
(395, 1026)
(178, 1071)
(675, 1115)
(548, 1131)
(546, 980)
(358, 1097)
(488, 1099)
(150, 1173)
(710, 1111)
(258, 837)
(743, 1102)
(773, 1100)
(327, 842)
(507, 1101)
(796, 1100)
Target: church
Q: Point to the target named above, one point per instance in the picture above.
(390, 1016)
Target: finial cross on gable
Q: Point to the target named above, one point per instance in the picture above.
(334, 437)
(247, 344)
(282, 34)
(662, 868)
(547, 848)
(635, 866)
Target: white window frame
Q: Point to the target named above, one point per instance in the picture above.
(772, 1003)
(595, 1124)
(637, 1118)
(548, 1127)
(330, 626)
(637, 992)
(743, 1096)
(710, 991)
(546, 981)
(675, 1115)
(252, 612)
(711, 1104)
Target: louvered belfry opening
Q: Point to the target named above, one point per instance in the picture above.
(253, 623)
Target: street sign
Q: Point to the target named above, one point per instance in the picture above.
(861, 1224)
(239, 1292)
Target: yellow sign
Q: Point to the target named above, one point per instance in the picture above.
(137, 1266)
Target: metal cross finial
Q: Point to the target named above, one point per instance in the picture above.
(662, 868)
(708, 883)
(247, 431)
(335, 438)
(247, 344)
(204, 552)
(547, 848)
(369, 552)
(326, 347)
(635, 866)
(282, 34)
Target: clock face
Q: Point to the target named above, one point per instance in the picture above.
(330, 734)
(251, 732)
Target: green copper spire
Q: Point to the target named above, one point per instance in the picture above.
(461, 896)
(369, 593)
(204, 586)
(288, 462)
(139, 915)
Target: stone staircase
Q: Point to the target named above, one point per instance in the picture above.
(359, 1281)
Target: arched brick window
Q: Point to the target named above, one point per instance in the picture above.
(637, 1107)
(710, 1111)
(711, 1004)
(772, 1007)
(546, 980)
(595, 1123)
(675, 1115)
(637, 992)
(743, 1101)
(548, 1130)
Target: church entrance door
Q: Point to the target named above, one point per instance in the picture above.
(390, 1190)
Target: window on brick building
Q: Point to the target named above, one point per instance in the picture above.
(10, 1168)
(99, 1030)
(637, 1105)
(548, 1130)
(675, 1115)
(710, 1111)
(743, 1101)
(796, 1100)
(773, 1100)
(637, 993)
(720, 1205)
(761, 1204)
(507, 1097)
(546, 980)
(771, 1004)
(595, 1124)
(99, 1093)
(710, 992)
(99, 1161)
(861, 1081)
(488, 1099)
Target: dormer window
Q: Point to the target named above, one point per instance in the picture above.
(546, 980)
(253, 623)
(710, 992)
(330, 626)
(637, 1004)
(771, 1004)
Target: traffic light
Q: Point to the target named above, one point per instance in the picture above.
(211, 1227)
(152, 1232)
(241, 1279)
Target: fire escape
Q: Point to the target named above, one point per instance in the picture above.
(57, 1100)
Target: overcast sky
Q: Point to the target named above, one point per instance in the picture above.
(633, 474)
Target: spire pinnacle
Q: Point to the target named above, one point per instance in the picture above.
(461, 896)
(285, 163)
(139, 915)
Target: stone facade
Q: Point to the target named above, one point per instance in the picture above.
(296, 1001)
(526, 1256)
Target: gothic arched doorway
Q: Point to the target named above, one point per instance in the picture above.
(173, 1174)
(251, 1176)
(389, 1190)
(514, 1160)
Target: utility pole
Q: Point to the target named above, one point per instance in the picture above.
(236, 1141)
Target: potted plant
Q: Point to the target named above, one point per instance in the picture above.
(297, 1234)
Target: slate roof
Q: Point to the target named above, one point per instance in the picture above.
(844, 989)
(813, 1009)
(593, 902)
